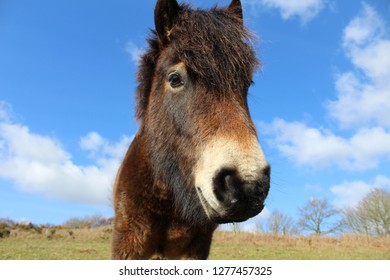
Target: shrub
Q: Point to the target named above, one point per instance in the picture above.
(88, 222)
(4, 230)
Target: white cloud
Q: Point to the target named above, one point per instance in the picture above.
(364, 27)
(349, 194)
(38, 163)
(318, 147)
(91, 142)
(363, 94)
(134, 51)
(305, 9)
(304, 145)
(100, 149)
(359, 103)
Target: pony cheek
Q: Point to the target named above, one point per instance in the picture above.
(179, 112)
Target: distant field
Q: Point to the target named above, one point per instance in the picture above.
(270, 247)
(94, 244)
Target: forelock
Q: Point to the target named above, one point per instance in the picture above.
(216, 47)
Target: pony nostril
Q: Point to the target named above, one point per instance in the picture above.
(224, 184)
(229, 182)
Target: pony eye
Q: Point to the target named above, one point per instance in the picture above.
(175, 80)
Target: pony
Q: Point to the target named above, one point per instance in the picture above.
(195, 161)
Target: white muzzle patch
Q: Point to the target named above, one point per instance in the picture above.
(221, 153)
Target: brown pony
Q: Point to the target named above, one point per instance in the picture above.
(195, 161)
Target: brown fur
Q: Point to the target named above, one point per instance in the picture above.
(157, 211)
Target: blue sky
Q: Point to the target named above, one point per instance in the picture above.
(321, 101)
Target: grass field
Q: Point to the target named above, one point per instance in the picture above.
(94, 244)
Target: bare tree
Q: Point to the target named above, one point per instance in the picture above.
(371, 216)
(316, 217)
(280, 223)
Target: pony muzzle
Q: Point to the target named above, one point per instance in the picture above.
(232, 180)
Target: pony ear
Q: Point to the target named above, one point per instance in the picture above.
(165, 13)
(235, 8)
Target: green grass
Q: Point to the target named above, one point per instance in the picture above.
(94, 244)
(53, 250)
(82, 244)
